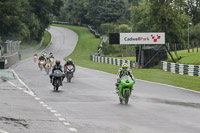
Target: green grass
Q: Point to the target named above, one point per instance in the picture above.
(47, 39)
(27, 45)
(88, 44)
(187, 58)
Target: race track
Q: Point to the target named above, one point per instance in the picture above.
(89, 103)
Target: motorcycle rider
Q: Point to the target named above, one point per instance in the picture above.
(35, 54)
(57, 66)
(51, 55)
(69, 62)
(45, 53)
(47, 60)
(41, 58)
(123, 72)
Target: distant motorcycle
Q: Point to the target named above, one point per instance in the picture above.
(125, 89)
(48, 67)
(35, 59)
(69, 71)
(52, 61)
(57, 79)
(41, 64)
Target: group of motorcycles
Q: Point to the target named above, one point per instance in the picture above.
(44, 65)
(125, 86)
(57, 76)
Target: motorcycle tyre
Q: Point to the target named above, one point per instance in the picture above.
(126, 96)
(69, 80)
(47, 70)
(56, 88)
(120, 100)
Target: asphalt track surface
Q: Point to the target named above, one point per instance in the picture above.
(90, 105)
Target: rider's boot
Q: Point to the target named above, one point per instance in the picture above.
(116, 89)
(61, 82)
(50, 79)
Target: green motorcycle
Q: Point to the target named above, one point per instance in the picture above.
(125, 88)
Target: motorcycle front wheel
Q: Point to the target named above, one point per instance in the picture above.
(126, 96)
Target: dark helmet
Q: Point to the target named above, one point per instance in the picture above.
(57, 62)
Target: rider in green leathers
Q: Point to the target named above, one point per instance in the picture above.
(123, 72)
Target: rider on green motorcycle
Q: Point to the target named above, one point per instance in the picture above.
(123, 72)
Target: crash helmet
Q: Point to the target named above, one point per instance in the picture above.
(57, 62)
(124, 66)
(70, 59)
(47, 57)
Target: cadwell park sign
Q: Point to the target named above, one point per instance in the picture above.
(137, 38)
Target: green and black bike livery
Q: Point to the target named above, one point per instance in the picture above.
(125, 89)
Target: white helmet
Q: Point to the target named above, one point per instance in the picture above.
(69, 59)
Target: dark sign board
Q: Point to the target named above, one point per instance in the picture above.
(114, 38)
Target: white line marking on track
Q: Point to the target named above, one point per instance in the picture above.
(169, 86)
(36, 98)
(61, 119)
(30, 92)
(66, 123)
(2, 131)
(41, 102)
(49, 108)
(57, 114)
(53, 111)
(73, 129)
(45, 105)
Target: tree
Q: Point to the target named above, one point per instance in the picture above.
(160, 16)
(26, 19)
(105, 11)
(11, 24)
(193, 10)
(124, 28)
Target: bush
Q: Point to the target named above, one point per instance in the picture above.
(124, 28)
(109, 28)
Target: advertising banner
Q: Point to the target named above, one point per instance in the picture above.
(142, 38)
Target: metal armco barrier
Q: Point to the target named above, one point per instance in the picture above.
(113, 61)
(183, 69)
(25, 51)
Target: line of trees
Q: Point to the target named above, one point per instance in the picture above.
(169, 16)
(26, 19)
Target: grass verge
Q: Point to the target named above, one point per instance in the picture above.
(27, 45)
(187, 58)
(47, 39)
(88, 44)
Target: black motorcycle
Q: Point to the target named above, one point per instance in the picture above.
(57, 79)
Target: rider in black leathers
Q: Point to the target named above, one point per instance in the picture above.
(57, 66)
(41, 58)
